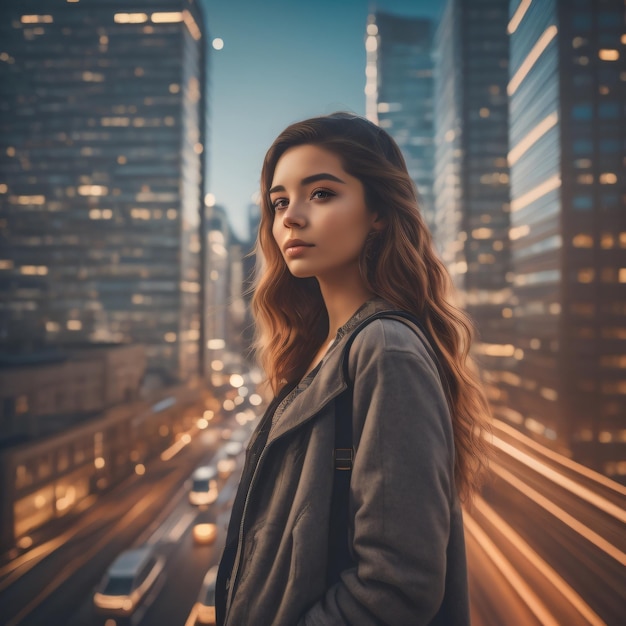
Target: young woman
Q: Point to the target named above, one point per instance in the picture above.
(341, 240)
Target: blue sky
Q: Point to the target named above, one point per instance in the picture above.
(282, 60)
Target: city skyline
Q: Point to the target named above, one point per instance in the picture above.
(259, 86)
(125, 323)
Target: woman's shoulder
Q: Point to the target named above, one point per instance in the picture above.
(388, 334)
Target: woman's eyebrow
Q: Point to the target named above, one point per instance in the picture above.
(311, 179)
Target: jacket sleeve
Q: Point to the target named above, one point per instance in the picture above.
(401, 488)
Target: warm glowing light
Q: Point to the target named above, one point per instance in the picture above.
(510, 573)
(608, 178)
(74, 325)
(98, 462)
(556, 511)
(482, 233)
(191, 25)
(140, 214)
(517, 232)
(372, 29)
(217, 43)
(582, 240)
(173, 450)
(130, 18)
(40, 501)
(622, 275)
(208, 415)
(201, 423)
(24, 543)
(92, 190)
(549, 394)
(26, 200)
(140, 469)
(538, 563)
(165, 17)
(34, 270)
(528, 63)
(371, 43)
(518, 16)
(563, 481)
(255, 399)
(36, 19)
(532, 137)
(494, 349)
(552, 183)
(236, 380)
(170, 337)
(228, 405)
(608, 55)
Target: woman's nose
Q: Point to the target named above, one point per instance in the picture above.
(293, 217)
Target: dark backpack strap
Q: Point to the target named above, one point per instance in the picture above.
(339, 558)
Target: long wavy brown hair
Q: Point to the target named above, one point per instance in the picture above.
(291, 319)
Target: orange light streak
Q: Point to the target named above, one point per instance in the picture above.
(584, 531)
(567, 483)
(538, 563)
(563, 460)
(174, 449)
(518, 584)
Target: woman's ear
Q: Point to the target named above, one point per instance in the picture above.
(380, 223)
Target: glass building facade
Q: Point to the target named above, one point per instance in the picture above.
(399, 93)
(471, 181)
(102, 135)
(568, 226)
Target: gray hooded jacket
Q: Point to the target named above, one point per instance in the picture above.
(406, 530)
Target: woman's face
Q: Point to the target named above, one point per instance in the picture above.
(320, 218)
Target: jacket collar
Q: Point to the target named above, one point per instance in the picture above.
(329, 381)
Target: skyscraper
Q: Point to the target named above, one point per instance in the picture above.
(399, 92)
(568, 226)
(471, 174)
(102, 136)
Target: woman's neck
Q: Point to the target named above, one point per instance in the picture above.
(342, 302)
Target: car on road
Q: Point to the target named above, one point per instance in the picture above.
(203, 488)
(204, 533)
(130, 582)
(203, 611)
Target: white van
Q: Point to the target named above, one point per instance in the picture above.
(203, 611)
(128, 581)
(203, 488)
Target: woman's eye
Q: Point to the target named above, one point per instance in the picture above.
(322, 194)
(279, 203)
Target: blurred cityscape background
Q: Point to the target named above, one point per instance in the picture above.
(125, 283)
